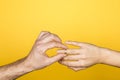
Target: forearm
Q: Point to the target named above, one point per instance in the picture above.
(14, 70)
(111, 57)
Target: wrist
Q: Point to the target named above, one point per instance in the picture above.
(105, 55)
(14, 70)
(23, 67)
(27, 65)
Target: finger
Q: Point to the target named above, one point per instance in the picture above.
(49, 38)
(76, 43)
(41, 38)
(54, 44)
(70, 51)
(56, 58)
(72, 57)
(56, 37)
(76, 69)
(70, 63)
(43, 33)
(72, 43)
(75, 57)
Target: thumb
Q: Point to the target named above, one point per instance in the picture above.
(57, 58)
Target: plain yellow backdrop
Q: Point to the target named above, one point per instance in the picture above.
(92, 21)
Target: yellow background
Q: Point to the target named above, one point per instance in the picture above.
(93, 21)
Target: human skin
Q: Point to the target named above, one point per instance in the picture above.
(88, 55)
(36, 59)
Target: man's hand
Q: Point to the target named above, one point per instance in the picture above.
(84, 57)
(37, 58)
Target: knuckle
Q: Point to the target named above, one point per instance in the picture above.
(52, 36)
(55, 37)
(38, 47)
(38, 42)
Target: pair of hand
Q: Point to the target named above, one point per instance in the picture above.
(75, 59)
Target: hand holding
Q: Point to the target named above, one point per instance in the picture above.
(86, 56)
(37, 58)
